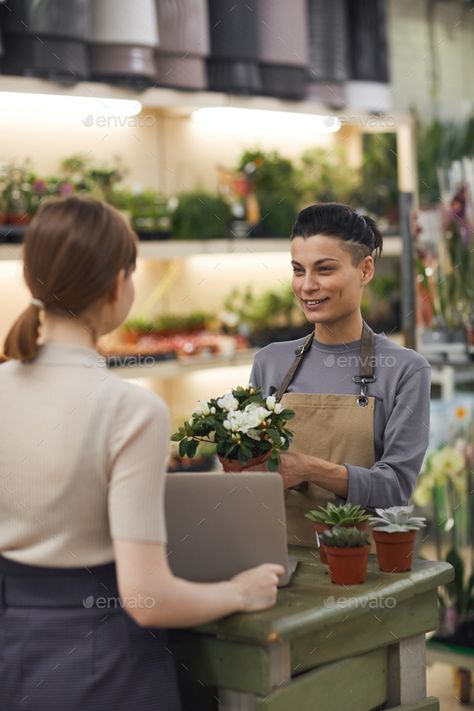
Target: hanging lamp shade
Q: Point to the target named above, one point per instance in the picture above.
(283, 48)
(123, 40)
(46, 38)
(328, 50)
(184, 43)
(233, 64)
(368, 40)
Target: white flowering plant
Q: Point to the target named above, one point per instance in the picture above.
(242, 424)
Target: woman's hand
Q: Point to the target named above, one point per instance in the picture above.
(257, 587)
(294, 468)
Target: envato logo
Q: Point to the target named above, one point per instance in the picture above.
(140, 121)
(120, 361)
(345, 361)
(370, 602)
(379, 121)
(105, 603)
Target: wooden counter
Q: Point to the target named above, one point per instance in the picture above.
(323, 647)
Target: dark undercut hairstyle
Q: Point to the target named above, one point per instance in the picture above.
(359, 234)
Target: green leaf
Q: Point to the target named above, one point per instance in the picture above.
(183, 446)
(176, 437)
(273, 461)
(244, 454)
(191, 448)
(275, 436)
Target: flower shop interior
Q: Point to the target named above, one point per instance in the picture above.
(209, 149)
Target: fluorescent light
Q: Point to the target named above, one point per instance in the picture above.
(62, 103)
(233, 118)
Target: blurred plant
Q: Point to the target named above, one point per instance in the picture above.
(438, 144)
(378, 189)
(446, 488)
(326, 176)
(272, 308)
(148, 210)
(275, 181)
(100, 181)
(200, 215)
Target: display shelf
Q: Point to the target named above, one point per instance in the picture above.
(170, 249)
(175, 368)
(448, 376)
(182, 102)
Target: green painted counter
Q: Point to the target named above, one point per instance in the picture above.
(323, 647)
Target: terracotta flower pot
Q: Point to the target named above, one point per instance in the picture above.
(394, 550)
(19, 218)
(321, 527)
(348, 566)
(233, 465)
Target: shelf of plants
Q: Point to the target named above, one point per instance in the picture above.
(147, 368)
(170, 249)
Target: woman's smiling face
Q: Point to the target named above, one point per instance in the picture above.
(326, 282)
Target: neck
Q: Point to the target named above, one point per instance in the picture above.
(341, 331)
(67, 330)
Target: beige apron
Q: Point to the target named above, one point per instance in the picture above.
(337, 428)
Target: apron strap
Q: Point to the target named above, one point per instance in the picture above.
(300, 351)
(366, 365)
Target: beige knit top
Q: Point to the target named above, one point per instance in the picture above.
(82, 459)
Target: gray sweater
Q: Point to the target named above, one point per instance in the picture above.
(402, 407)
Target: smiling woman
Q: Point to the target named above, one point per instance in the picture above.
(361, 401)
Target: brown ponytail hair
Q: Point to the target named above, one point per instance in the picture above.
(74, 249)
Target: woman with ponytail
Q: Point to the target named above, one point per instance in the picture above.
(361, 401)
(83, 566)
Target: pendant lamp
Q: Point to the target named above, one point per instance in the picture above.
(123, 40)
(233, 64)
(46, 38)
(283, 48)
(328, 50)
(184, 43)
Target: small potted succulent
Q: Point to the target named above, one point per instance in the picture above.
(348, 554)
(394, 531)
(326, 517)
(246, 428)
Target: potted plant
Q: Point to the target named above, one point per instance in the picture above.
(149, 213)
(200, 215)
(136, 327)
(394, 531)
(348, 554)
(326, 517)
(246, 429)
(275, 182)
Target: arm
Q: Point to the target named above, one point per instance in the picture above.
(150, 593)
(154, 597)
(391, 480)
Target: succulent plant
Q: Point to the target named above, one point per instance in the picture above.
(339, 537)
(396, 519)
(333, 515)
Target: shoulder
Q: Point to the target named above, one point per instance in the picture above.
(404, 361)
(131, 400)
(284, 350)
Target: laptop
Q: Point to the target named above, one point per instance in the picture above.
(221, 524)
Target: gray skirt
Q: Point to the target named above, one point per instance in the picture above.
(66, 643)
